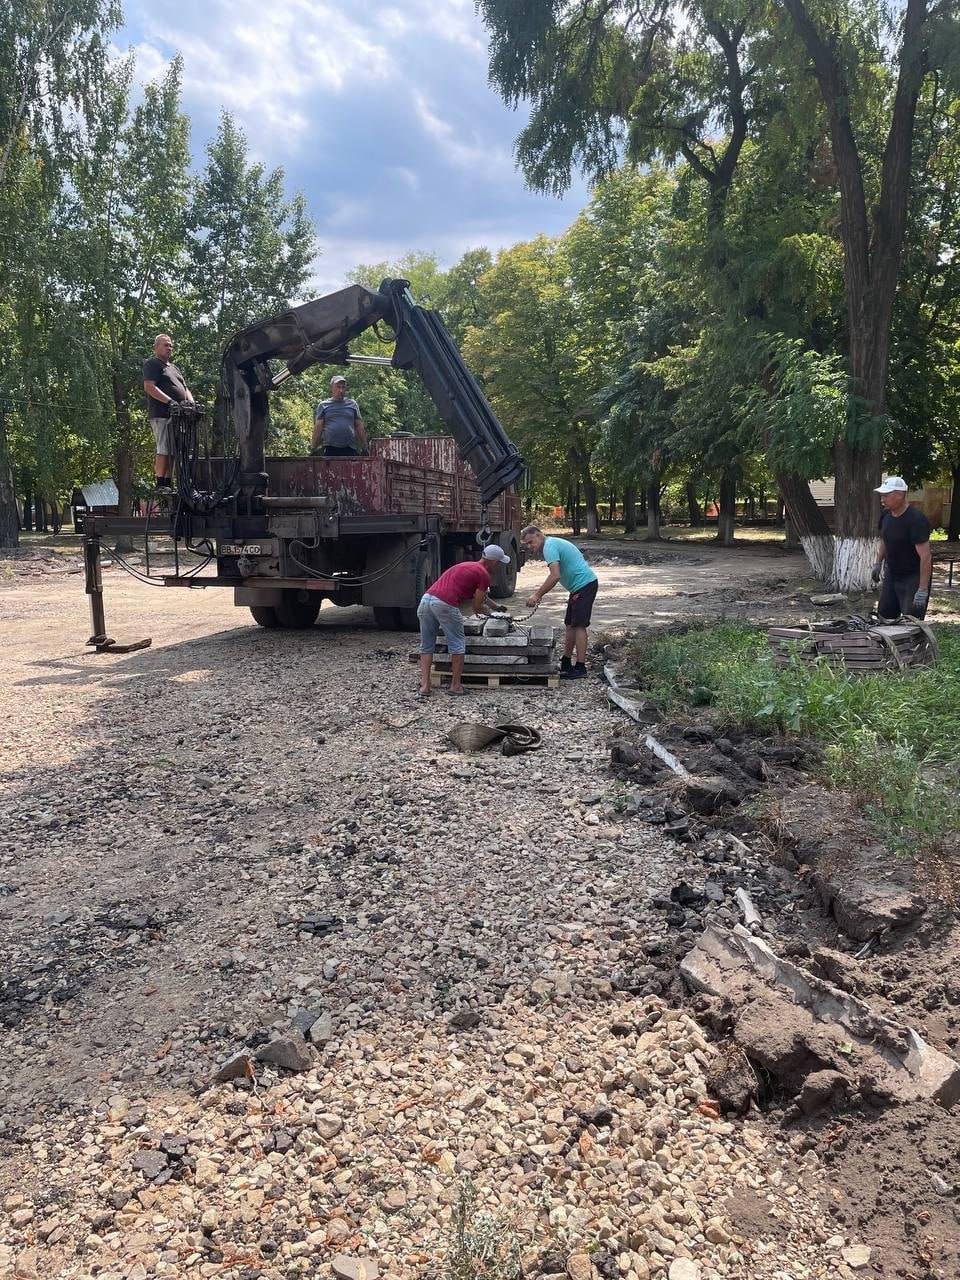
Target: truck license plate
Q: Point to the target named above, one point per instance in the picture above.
(265, 548)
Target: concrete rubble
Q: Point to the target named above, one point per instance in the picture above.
(796, 1024)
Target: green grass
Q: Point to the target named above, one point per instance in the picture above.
(893, 740)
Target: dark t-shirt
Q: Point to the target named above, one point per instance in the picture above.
(169, 379)
(458, 584)
(901, 536)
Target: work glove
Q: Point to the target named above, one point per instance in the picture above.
(876, 573)
(920, 603)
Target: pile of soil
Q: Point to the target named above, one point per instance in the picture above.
(891, 939)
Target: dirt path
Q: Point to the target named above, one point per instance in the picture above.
(235, 829)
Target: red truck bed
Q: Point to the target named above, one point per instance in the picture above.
(401, 476)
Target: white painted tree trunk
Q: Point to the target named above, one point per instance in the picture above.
(853, 558)
(818, 548)
(842, 564)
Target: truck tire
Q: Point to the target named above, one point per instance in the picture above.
(265, 615)
(296, 615)
(407, 619)
(504, 582)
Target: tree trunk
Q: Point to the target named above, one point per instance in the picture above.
(123, 463)
(727, 509)
(953, 528)
(653, 510)
(123, 451)
(694, 513)
(576, 510)
(28, 511)
(630, 509)
(9, 524)
(590, 498)
(612, 513)
(856, 542)
(807, 523)
(872, 235)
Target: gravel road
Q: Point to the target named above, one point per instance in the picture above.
(237, 836)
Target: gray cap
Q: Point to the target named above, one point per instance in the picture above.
(338, 377)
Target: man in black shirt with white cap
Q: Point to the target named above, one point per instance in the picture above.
(905, 563)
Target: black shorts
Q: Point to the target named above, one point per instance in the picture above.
(580, 606)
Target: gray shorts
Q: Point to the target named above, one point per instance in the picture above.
(163, 436)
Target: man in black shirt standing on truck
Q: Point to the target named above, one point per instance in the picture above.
(163, 382)
(905, 551)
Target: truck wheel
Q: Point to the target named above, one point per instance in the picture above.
(264, 615)
(407, 619)
(504, 582)
(294, 614)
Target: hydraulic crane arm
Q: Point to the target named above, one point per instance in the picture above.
(319, 332)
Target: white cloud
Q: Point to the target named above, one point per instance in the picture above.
(475, 154)
(407, 177)
(149, 63)
(379, 110)
(275, 77)
(453, 21)
(345, 211)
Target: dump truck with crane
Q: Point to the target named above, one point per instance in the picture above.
(284, 534)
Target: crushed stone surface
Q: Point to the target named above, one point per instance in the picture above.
(237, 837)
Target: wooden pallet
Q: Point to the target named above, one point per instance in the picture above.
(494, 679)
(887, 647)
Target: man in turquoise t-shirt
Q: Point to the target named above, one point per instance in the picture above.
(568, 567)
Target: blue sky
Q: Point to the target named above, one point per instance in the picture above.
(379, 112)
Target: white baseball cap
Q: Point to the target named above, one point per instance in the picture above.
(493, 552)
(337, 377)
(892, 484)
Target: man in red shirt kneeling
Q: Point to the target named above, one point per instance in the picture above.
(440, 610)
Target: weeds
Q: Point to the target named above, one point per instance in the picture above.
(891, 739)
(482, 1246)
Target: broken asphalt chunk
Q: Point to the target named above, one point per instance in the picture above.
(237, 1067)
(290, 1052)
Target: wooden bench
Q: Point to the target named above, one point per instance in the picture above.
(945, 553)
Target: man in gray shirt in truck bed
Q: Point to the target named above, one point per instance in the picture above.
(338, 430)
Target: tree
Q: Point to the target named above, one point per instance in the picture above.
(52, 67)
(540, 376)
(925, 347)
(605, 77)
(126, 244)
(873, 218)
(248, 254)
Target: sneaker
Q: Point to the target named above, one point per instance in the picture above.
(577, 672)
(565, 663)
